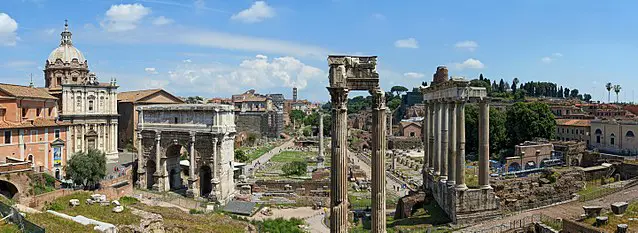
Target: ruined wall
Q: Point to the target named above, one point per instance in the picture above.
(531, 192)
(575, 227)
(627, 171)
(279, 186)
(404, 143)
(269, 124)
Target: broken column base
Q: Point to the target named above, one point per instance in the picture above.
(464, 207)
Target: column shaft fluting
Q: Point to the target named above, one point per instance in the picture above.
(460, 159)
(191, 156)
(430, 120)
(451, 161)
(321, 136)
(378, 162)
(339, 161)
(484, 145)
(444, 140)
(141, 182)
(437, 138)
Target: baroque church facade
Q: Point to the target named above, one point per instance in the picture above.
(89, 105)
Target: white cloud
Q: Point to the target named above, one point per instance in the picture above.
(470, 64)
(150, 70)
(552, 58)
(258, 12)
(413, 75)
(257, 73)
(410, 43)
(8, 28)
(162, 21)
(547, 59)
(49, 31)
(124, 17)
(468, 45)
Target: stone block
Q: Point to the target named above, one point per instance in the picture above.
(592, 211)
(619, 207)
(622, 228)
(601, 220)
(118, 209)
(74, 202)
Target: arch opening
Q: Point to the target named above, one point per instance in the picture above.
(174, 154)
(205, 176)
(8, 189)
(150, 170)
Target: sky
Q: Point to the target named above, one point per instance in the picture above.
(215, 48)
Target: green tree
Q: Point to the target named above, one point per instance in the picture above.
(617, 89)
(566, 93)
(587, 97)
(296, 168)
(252, 138)
(194, 100)
(515, 84)
(498, 133)
(526, 121)
(608, 86)
(240, 155)
(86, 168)
(297, 116)
(394, 104)
(398, 90)
(573, 93)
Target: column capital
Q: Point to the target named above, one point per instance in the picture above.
(339, 98)
(192, 134)
(158, 135)
(378, 98)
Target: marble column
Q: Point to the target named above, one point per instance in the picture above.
(378, 161)
(141, 179)
(436, 133)
(430, 119)
(215, 169)
(339, 162)
(451, 158)
(159, 183)
(320, 156)
(460, 151)
(192, 179)
(424, 133)
(444, 140)
(484, 145)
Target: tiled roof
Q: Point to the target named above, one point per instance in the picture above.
(39, 122)
(406, 123)
(132, 96)
(573, 122)
(25, 91)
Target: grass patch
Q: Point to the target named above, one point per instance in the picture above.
(95, 211)
(428, 217)
(258, 152)
(56, 224)
(176, 220)
(280, 225)
(613, 220)
(292, 156)
(8, 228)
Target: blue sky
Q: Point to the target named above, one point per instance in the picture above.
(216, 48)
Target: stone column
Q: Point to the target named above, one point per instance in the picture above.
(460, 159)
(451, 161)
(141, 165)
(424, 133)
(339, 163)
(320, 156)
(432, 156)
(159, 183)
(378, 161)
(192, 179)
(215, 169)
(444, 140)
(436, 140)
(484, 145)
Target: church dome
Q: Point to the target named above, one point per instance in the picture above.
(66, 51)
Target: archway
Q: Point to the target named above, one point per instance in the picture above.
(150, 170)
(8, 189)
(542, 163)
(173, 157)
(514, 167)
(205, 175)
(530, 165)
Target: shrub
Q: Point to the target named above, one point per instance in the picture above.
(55, 206)
(128, 200)
(297, 168)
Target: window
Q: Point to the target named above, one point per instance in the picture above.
(33, 136)
(25, 111)
(598, 131)
(175, 120)
(597, 138)
(7, 137)
(612, 139)
(629, 134)
(56, 133)
(412, 134)
(90, 105)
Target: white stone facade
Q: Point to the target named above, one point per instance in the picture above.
(89, 105)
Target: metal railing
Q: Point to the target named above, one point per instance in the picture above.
(12, 215)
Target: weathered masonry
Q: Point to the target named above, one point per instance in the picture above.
(355, 73)
(205, 132)
(444, 154)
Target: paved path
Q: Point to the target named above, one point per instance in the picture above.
(267, 156)
(391, 183)
(314, 218)
(567, 210)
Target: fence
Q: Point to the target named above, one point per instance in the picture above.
(522, 223)
(17, 219)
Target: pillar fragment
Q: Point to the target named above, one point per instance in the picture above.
(444, 140)
(192, 179)
(436, 133)
(424, 133)
(484, 145)
(339, 161)
(159, 182)
(141, 163)
(460, 159)
(451, 162)
(378, 161)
